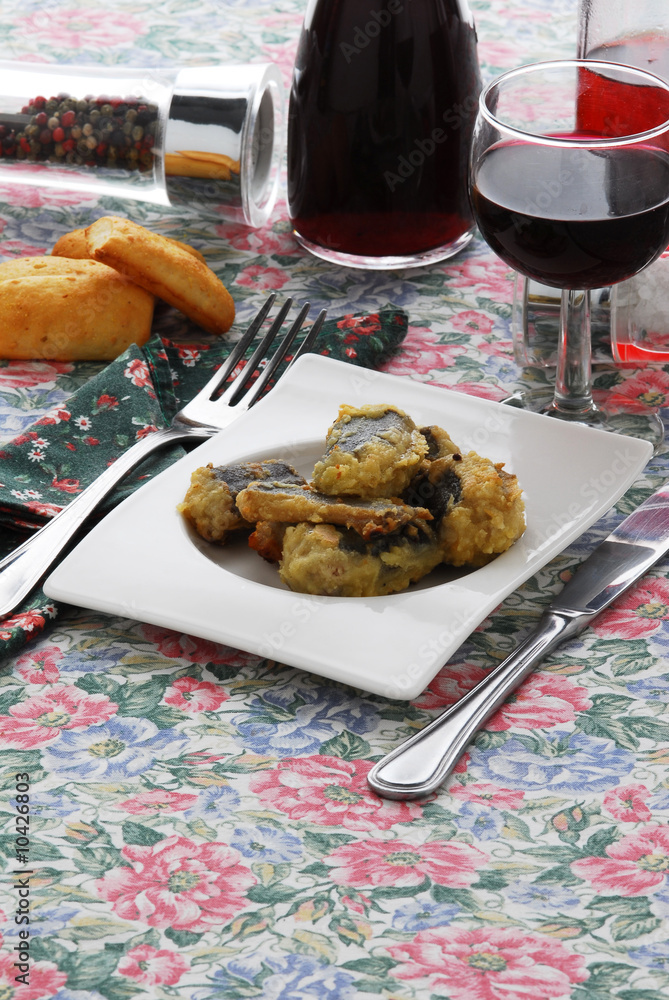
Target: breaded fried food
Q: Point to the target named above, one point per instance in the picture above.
(371, 451)
(166, 270)
(336, 562)
(277, 501)
(74, 245)
(210, 502)
(439, 442)
(60, 309)
(267, 540)
(486, 517)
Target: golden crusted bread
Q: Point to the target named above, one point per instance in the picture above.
(74, 245)
(59, 309)
(163, 268)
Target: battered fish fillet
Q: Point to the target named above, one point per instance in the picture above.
(331, 561)
(163, 268)
(210, 502)
(486, 515)
(277, 501)
(371, 451)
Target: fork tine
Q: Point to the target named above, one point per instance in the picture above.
(232, 391)
(308, 341)
(277, 357)
(221, 375)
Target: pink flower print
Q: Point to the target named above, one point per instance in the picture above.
(27, 620)
(158, 800)
(487, 794)
(542, 700)
(177, 646)
(256, 276)
(26, 374)
(195, 696)
(366, 863)
(138, 373)
(40, 718)
(81, 30)
(40, 667)
(472, 321)
(648, 388)
(178, 883)
(45, 979)
(449, 685)
(636, 864)
(489, 963)
(638, 613)
(628, 803)
(328, 791)
(151, 967)
(259, 241)
(482, 275)
(421, 354)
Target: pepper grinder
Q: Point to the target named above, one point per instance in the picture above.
(207, 137)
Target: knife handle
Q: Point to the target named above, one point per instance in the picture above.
(420, 764)
(25, 567)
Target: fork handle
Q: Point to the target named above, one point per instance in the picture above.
(420, 764)
(28, 564)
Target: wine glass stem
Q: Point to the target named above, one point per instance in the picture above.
(573, 385)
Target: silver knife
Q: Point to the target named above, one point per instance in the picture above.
(418, 766)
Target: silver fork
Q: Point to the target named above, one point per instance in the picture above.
(203, 417)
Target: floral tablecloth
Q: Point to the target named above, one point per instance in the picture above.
(199, 820)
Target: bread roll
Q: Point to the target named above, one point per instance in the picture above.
(73, 244)
(60, 309)
(164, 269)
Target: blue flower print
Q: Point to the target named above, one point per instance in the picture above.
(286, 725)
(419, 916)
(89, 661)
(45, 921)
(537, 896)
(120, 748)
(215, 802)
(561, 762)
(49, 805)
(651, 688)
(292, 977)
(266, 843)
(483, 822)
(654, 956)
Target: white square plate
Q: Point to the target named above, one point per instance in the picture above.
(142, 561)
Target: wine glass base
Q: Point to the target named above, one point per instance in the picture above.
(618, 416)
(389, 263)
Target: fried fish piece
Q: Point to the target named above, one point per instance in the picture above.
(161, 267)
(267, 540)
(439, 442)
(371, 451)
(486, 514)
(279, 501)
(336, 562)
(210, 501)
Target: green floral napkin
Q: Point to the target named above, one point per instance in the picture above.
(67, 448)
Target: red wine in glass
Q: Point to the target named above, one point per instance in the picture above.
(573, 218)
(382, 107)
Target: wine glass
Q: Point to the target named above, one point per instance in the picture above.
(570, 193)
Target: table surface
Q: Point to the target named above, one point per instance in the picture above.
(225, 844)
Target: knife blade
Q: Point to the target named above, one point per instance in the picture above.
(419, 765)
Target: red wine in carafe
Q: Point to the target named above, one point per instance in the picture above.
(382, 107)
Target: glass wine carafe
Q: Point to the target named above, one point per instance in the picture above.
(382, 106)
